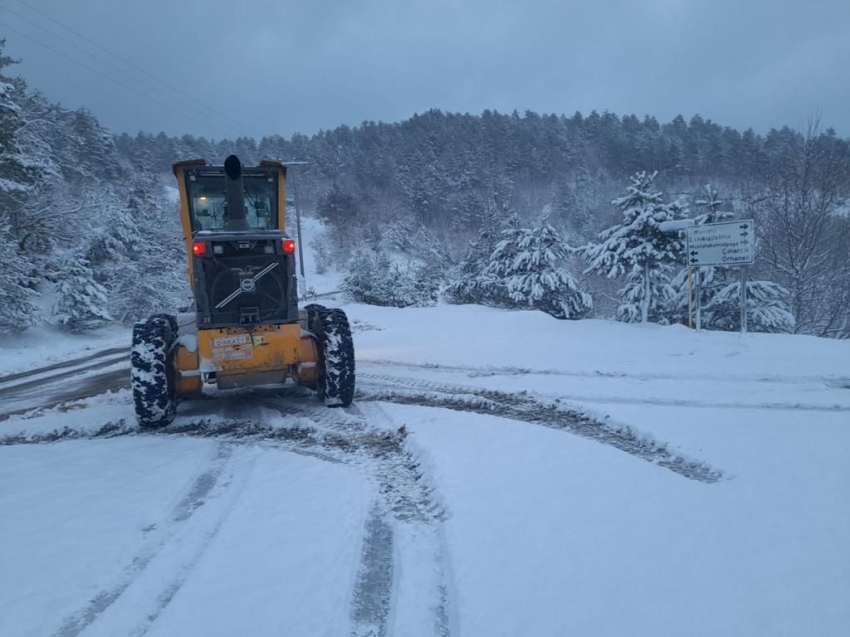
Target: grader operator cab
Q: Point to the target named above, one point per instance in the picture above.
(247, 329)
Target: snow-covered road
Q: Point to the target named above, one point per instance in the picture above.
(600, 479)
(72, 379)
(295, 520)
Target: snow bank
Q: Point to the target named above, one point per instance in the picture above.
(486, 337)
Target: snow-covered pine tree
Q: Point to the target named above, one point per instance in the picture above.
(359, 284)
(468, 284)
(20, 166)
(708, 202)
(376, 280)
(17, 311)
(114, 244)
(15, 176)
(638, 249)
(139, 255)
(17, 287)
(677, 303)
(426, 282)
(112, 233)
(767, 308)
(527, 269)
(395, 285)
(81, 301)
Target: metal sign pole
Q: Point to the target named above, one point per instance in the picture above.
(743, 299)
(690, 297)
(699, 299)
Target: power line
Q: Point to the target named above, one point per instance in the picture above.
(121, 71)
(96, 71)
(133, 65)
(90, 54)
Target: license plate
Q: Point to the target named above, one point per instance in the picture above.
(227, 341)
(233, 353)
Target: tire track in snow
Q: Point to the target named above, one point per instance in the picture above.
(64, 390)
(614, 399)
(363, 437)
(80, 364)
(185, 569)
(525, 408)
(488, 371)
(373, 590)
(413, 513)
(424, 384)
(367, 439)
(199, 491)
(407, 508)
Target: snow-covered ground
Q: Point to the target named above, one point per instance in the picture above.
(501, 473)
(705, 494)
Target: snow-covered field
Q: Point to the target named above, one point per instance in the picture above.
(502, 473)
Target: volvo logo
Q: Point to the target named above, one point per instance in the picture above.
(247, 284)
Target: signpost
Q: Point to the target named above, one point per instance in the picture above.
(729, 243)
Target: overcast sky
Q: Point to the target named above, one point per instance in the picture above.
(282, 66)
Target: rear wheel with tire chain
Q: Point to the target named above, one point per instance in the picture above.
(336, 355)
(312, 311)
(170, 319)
(152, 371)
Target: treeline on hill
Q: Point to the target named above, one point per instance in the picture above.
(500, 209)
(425, 204)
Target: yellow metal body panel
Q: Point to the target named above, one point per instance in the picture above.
(308, 370)
(264, 348)
(188, 384)
(185, 221)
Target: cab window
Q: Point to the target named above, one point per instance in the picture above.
(208, 205)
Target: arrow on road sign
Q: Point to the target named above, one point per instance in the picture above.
(745, 233)
(743, 226)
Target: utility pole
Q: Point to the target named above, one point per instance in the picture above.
(297, 213)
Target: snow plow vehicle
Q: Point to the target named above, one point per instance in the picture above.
(247, 329)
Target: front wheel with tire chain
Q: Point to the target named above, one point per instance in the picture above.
(152, 371)
(336, 355)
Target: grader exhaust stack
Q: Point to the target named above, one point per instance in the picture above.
(235, 194)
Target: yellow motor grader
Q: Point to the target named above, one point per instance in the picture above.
(246, 329)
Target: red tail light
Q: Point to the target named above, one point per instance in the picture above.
(199, 248)
(288, 246)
